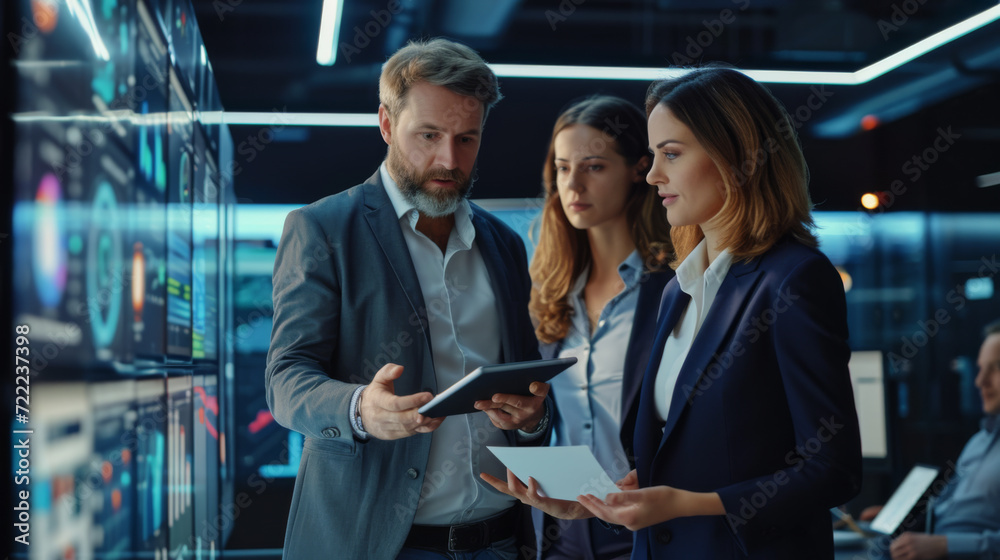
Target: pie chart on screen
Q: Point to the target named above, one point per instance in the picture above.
(49, 242)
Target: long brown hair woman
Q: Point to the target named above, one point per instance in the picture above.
(597, 275)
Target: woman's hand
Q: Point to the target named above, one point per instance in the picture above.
(641, 508)
(630, 482)
(562, 509)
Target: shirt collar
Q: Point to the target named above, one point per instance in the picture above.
(630, 271)
(404, 209)
(991, 423)
(692, 270)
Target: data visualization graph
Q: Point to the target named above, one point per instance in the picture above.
(105, 178)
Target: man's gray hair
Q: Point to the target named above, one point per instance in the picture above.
(438, 62)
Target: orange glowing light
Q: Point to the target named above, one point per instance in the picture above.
(106, 471)
(845, 277)
(116, 499)
(138, 280)
(869, 122)
(869, 201)
(45, 14)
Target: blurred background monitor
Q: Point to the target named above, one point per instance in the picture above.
(869, 397)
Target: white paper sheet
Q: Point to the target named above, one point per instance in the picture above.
(562, 472)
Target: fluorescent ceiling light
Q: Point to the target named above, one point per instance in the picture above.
(858, 77)
(329, 32)
(584, 72)
(210, 117)
(990, 180)
(650, 74)
(301, 119)
(925, 46)
(81, 11)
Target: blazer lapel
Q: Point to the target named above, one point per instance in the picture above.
(382, 219)
(719, 322)
(647, 434)
(638, 353)
(497, 269)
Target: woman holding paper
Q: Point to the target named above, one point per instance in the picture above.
(745, 431)
(597, 274)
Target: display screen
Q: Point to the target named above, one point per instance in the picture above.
(180, 177)
(180, 475)
(60, 451)
(110, 175)
(148, 301)
(110, 481)
(207, 534)
(150, 437)
(71, 226)
(112, 33)
(185, 41)
(205, 263)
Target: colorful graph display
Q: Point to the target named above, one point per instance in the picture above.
(110, 173)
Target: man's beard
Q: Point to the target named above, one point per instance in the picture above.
(433, 204)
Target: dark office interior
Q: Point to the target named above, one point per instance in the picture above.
(150, 150)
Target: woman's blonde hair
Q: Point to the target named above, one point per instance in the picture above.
(438, 62)
(750, 137)
(563, 251)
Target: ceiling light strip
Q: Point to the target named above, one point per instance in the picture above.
(300, 119)
(651, 74)
(925, 46)
(329, 32)
(861, 76)
(990, 180)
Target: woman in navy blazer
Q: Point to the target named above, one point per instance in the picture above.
(745, 431)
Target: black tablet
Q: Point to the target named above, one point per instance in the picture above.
(486, 381)
(909, 500)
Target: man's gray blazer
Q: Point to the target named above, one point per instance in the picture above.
(347, 301)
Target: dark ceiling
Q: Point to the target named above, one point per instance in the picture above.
(264, 56)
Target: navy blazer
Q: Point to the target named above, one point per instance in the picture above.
(763, 414)
(636, 357)
(346, 301)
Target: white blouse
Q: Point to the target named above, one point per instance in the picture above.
(700, 281)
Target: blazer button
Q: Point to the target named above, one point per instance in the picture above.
(331, 432)
(664, 536)
(412, 472)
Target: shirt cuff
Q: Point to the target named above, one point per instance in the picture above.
(964, 545)
(539, 429)
(359, 430)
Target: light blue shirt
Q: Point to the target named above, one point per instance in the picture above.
(588, 395)
(968, 511)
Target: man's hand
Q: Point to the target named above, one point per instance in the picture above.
(509, 412)
(562, 509)
(869, 513)
(919, 546)
(387, 416)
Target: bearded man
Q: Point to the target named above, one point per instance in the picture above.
(388, 293)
